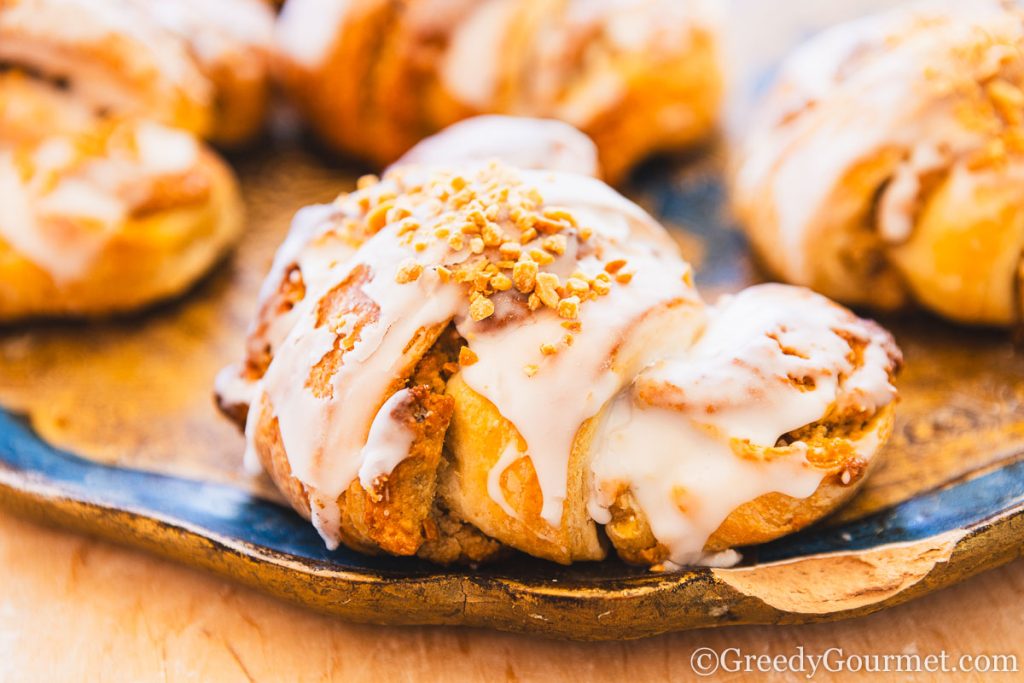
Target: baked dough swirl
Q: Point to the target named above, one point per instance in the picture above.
(110, 200)
(455, 360)
(885, 167)
(373, 78)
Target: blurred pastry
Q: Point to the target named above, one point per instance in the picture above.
(453, 361)
(372, 78)
(885, 168)
(198, 66)
(102, 215)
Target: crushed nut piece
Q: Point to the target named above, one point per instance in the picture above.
(556, 244)
(467, 356)
(547, 289)
(524, 275)
(481, 308)
(615, 265)
(569, 307)
(409, 270)
(501, 282)
(510, 250)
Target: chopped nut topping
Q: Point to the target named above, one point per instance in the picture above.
(556, 244)
(569, 307)
(577, 286)
(501, 283)
(408, 271)
(506, 238)
(524, 275)
(481, 308)
(542, 257)
(614, 266)
(548, 349)
(530, 370)
(467, 356)
(510, 250)
(547, 289)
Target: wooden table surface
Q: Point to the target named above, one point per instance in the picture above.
(78, 609)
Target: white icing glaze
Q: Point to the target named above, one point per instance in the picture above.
(861, 87)
(521, 142)
(307, 29)
(387, 443)
(216, 30)
(471, 66)
(672, 438)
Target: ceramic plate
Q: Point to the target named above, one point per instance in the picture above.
(110, 428)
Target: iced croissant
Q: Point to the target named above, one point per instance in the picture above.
(110, 199)
(886, 166)
(456, 360)
(373, 78)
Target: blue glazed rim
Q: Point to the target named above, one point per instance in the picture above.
(220, 511)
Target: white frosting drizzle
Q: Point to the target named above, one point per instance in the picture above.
(472, 63)
(672, 439)
(864, 86)
(387, 444)
(543, 144)
(306, 30)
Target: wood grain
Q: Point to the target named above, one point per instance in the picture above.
(73, 608)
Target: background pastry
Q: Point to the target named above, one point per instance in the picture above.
(111, 201)
(102, 215)
(451, 361)
(372, 78)
(198, 66)
(885, 167)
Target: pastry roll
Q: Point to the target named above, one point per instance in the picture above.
(198, 66)
(885, 168)
(454, 361)
(111, 199)
(102, 215)
(373, 77)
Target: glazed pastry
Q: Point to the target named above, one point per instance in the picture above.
(885, 168)
(451, 362)
(102, 215)
(110, 200)
(372, 78)
(194, 65)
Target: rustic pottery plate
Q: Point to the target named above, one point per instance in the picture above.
(109, 428)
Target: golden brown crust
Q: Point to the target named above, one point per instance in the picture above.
(401, 514)
(153, 255)
(771, 515)
(380, 88)
(477, 438)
